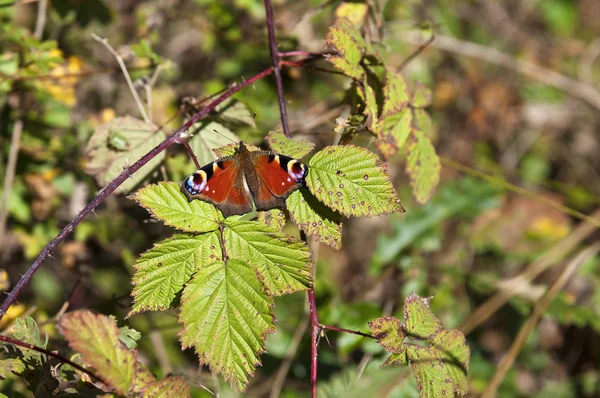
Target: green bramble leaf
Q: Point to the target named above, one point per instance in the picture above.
(27, 331)
(422, 96)
(395, 133)
(346, 39)
(279, 143)
(353, 181)
(395, 115)
(419, 321)
(450, 347)
(206, 140)
(226, 315)
(432, 378)
(423, 166)
(283, 263)
(274, 218)
(389, 333)
(162, 271)
(96, 337)
(314, 218)
(371, 111)
(396, 359)
(11, 365)
(119, 143)
(169, 387)
(166, 202)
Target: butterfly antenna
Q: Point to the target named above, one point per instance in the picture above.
(223, 135)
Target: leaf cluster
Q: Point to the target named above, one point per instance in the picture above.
(439, 357)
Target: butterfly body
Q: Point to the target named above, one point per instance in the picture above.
(232, 183)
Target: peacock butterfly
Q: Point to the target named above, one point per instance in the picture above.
(233, 182)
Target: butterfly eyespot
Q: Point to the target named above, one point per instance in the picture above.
(195, 183)
(297, 170)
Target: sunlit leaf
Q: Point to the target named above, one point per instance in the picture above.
(166, 202)
(350, 45)
(419, 321)
(371, 111)
(162, 271)
(353, 181)
(10, 365)
(314, 218)
(27, 331)
(389, 333)
(96, 337)
(279, 143)
(423, 166)
(433, 380)
(104, 162)
(450, 347)
(282, 262)
(395, 115)
(226, 316)
(354, 12)
(274, 218)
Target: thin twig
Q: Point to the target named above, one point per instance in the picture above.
(538, 312)
(342, 330)
(190, 152)
(177, 137)
(119, 59)
(40, 21)
(574, 88)
(58, 357)
(276, 67)
(418, 51)
(10, 175)
(299, 53)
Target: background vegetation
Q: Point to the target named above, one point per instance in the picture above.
(515, 112)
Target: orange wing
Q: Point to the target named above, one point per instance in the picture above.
(277, 177)
(222, 184)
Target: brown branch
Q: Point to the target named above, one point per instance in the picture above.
(178, 136)
(58, 357)
(276, 68)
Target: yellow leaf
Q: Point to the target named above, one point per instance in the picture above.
(354, 12)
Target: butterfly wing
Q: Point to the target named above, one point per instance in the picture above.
(276, 177)
(222, 184)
